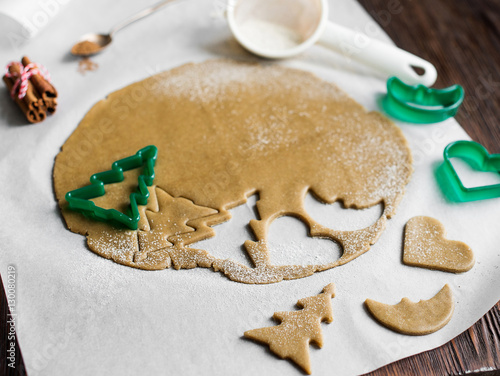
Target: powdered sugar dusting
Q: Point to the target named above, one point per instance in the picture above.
(231, 129)
(213, 79)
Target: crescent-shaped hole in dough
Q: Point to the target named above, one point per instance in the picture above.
(337, 217)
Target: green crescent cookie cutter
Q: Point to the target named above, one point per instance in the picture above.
(479, 159)
(420, 104)
(79, 199)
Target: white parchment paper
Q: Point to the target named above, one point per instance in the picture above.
(79, 314)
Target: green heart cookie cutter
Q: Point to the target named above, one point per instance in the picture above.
(79, 199)
(479, 159)
(420, 104)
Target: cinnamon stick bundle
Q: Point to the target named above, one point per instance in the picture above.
(44, 88)
(41, 95)
(31, 105)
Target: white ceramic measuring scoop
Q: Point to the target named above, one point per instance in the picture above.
(278, 29)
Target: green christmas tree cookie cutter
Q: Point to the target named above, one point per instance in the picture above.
(479, 159)
(420, 104)
(79, 199)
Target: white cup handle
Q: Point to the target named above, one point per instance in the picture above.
(381, 56)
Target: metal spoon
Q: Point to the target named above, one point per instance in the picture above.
(93, 43)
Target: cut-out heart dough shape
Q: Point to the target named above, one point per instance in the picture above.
(416, 319)
(425, 246)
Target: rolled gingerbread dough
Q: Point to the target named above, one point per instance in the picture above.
(226, 130)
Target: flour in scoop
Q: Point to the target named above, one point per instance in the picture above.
(269, 36)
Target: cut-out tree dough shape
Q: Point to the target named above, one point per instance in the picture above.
(291, 338)
(407, 317)
(227, 130)
(425, 246)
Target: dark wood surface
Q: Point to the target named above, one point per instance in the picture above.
(462, 39)
(5, 341)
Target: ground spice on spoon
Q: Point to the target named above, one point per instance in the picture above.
(85, 48)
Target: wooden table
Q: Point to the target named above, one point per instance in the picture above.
(462, 39)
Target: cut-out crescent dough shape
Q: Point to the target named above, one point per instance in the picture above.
(425, 246)
(407, 317)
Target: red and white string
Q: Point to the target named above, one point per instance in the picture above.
(22, 78)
